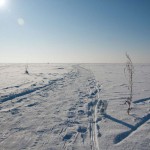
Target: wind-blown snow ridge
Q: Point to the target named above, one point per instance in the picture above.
(27, 91)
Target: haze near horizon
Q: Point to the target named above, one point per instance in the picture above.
(74, 31)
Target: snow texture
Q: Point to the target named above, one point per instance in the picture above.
(73, 107)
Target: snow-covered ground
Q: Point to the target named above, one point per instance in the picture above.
(60, 107)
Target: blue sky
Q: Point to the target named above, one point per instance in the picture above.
(75, 31)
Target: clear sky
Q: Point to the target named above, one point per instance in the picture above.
(77, 31)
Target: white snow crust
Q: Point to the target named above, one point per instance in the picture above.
(73, 107)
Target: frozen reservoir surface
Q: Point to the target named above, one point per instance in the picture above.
(73, 107)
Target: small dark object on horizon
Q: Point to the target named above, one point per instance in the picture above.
(26, 70)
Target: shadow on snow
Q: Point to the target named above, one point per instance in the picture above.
(120, 137)
(141, 100)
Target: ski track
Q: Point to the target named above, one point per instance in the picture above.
(94, 139)
(74, 126)
(66, 144)
(96, 132)
(71, 130)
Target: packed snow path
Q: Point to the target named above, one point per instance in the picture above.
(53, 116)
(64, 109)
